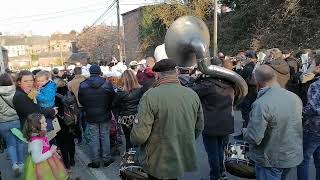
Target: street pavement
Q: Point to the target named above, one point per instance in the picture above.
(112, 172)
(80, 170)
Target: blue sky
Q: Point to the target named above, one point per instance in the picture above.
(43, 17)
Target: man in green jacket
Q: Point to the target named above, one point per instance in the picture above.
(275, 128)
(169, 120)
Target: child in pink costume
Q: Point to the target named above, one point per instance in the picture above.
(42, 163)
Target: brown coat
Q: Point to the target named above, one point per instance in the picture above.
(74, 84)
(282, 70)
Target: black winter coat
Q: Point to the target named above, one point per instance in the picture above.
(245, 105)
(96, 95)
(246, 72)
(66, 131)
(25, 106)
(217, 102)
(126, 103)
(292, 84)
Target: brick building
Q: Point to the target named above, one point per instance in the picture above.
(24, 45)
(131, 22)
(61, 42)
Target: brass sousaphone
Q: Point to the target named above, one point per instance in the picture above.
(189, 35)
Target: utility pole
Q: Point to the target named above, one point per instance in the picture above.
(215, 28)
(119, 34)
(61, 58)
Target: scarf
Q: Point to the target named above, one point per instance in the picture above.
(32, 95)
(166, 79)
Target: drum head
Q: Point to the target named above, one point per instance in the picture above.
(240, 169)
(130, 168)
(237, 162)
(133, 173)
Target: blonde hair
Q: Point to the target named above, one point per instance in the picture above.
(129, 80)
(43, 73)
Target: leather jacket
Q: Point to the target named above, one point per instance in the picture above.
(126, 103)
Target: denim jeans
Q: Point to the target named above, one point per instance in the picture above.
(100, 142)
(80, 125)
(49, 120)
(311, 146)
(49, 124)
(270, 173)
(16, 148)
(214, 146)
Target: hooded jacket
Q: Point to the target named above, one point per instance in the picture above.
(217, 103)
(293, 82)
(96, 95)
(282, 70)
(74, 84)
(7, 113)
(46, 95)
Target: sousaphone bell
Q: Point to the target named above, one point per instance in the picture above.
(189, 36)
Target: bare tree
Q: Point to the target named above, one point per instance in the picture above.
(100, 42)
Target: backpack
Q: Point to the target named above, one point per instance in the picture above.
(70, 108)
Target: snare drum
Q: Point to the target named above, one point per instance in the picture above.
(237, 161)
(129, 167)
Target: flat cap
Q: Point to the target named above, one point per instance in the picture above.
(164, 65)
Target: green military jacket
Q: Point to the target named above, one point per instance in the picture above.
(169, 120)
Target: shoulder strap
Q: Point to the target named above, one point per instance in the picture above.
(7, 103)
(59, 95)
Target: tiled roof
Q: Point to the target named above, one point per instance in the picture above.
(37, 40)
(12, 40)
(23, 40)
(67, 37)
(79, 56)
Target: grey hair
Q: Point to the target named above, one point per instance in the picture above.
(264, 73)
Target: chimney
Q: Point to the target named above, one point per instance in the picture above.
(74, 48)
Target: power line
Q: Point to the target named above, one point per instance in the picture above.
(137, 4)
(103, 14)
(100, 17)
(53, 17)
(45, 14)
(113, 10)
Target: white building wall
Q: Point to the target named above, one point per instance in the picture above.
(16, 50)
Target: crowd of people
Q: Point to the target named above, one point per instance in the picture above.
(162, 109)
(280, 112)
